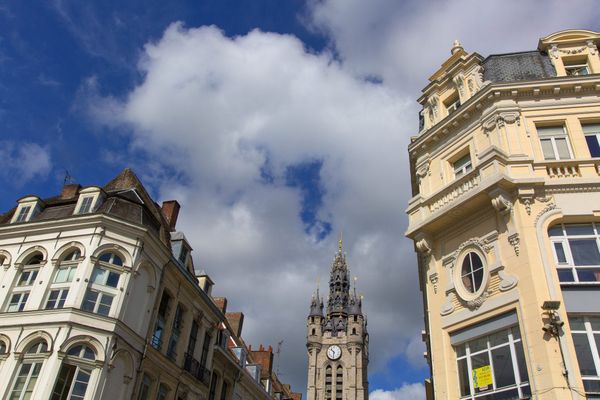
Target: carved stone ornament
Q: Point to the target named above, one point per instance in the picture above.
(575, 51)
(507, 281)
(514, 242)
(502, 204)
(422, 170)
(471, 242)
(592, 47)
(545, 210)
(459, 82)
(477, 302)
(423, 244)
(553, 51)
(478, 77)
(434, 279)
(433, 104)
(448, 306)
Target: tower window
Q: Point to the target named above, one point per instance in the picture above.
(339, 383)
(328, 383)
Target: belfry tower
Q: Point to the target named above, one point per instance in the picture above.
(338, 342)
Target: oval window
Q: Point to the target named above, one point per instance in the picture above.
(472, 272)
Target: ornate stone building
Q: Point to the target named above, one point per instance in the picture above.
(99, 300)
(505, 216)
(338, 342)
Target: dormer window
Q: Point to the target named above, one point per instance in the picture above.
(452, 103)
(86, 205)
(462, 166)
(28, 208)
(89, 200)
(576, 67)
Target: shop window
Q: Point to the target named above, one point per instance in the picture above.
(555, 143)
(576, 250)
(586, 338)
(592, 137)
(493, 366)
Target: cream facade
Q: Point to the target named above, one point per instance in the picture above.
(505, 216)
(99, 300)
(338, 341)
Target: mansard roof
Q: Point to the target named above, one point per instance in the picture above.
(521, 66)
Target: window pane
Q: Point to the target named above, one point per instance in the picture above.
(592, 142)
(595, 322)
(89, 301)
(504, 375)
(584, 354)
(521, 362)
(585, 251)
(563, 148)
(579, 229)
(479, 361)
(113, 279)
(61, 275)
(555, 231)
(577, 323)
(588, 274)
(498, 338)
(565, 275)
(105, 303)
(547, 149)
(560, 253)
(591, 386)
(99, 276)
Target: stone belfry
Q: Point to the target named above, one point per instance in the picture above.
(337, 342)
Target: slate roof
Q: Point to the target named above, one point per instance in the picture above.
(522, 66)
(126, 199)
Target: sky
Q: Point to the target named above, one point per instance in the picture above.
(277, 124)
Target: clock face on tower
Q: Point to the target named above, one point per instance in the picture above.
(334, 352)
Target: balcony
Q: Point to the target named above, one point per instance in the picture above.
(196, 369)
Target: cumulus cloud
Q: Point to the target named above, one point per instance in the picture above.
(23, 162)
(408, 391)
(221, 124)
(231, 118)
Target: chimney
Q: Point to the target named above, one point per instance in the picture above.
(170, 210)
(69, 191)
(236, 320)
(221, 303)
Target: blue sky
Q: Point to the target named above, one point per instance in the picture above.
(276, 124)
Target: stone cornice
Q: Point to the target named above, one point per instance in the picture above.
(504, 91)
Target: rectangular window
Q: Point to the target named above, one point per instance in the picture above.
(175, 332)
(71, 384)
(205, 349)
(462, 166)
(17, 301)
(65, 274)
(555, 143)
(27, 278)
(102, 276)
(97, 302)
(23, 214)
(576, 252)
(592, 137)
(193, 338)
(56, 298)
(576, 67)
(493, 365)
(159, 327)
(586, 338)
(145, 388)
(452, 103)
(86, 205)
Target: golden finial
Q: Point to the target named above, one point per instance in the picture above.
(340, 243)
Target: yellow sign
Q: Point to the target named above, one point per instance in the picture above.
(482, 377)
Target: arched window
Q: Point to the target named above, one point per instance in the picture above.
(74, 375)
(29, 371)
(339, 382)
(3, 347)
(103, 284)
(313, 331)
(25, 280)
(328, 383)
(63, 276)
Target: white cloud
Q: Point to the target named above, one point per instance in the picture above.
(408, 391)
(215, 112)
(23, 161)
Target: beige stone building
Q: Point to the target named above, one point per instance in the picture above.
(99, 300)
(505, 216)
(337, 341)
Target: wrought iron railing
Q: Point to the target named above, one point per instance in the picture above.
(196, 369)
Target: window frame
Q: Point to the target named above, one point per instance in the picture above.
(87, 204)
(63, 287)
(34, 359)
(509, 341)
(576, 65)
(462, 291)
(552, 139)
(591, 132)
(589, 333)
(465, 168)
(102, 289)
(569, 263)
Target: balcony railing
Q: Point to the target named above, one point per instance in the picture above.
(196, 369)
